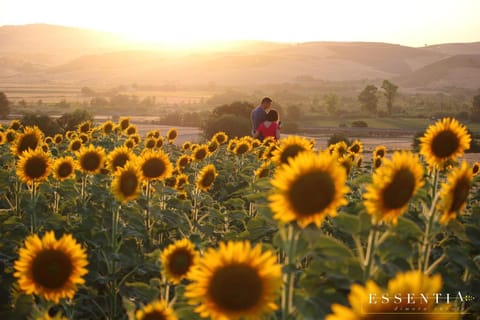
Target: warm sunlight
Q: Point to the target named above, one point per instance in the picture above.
(187, 23)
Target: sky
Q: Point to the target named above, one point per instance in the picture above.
(406, 22)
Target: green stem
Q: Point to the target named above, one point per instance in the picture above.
(290, 245)
(147, 209)
(33, 227)
(368, 262)
(426, 247)
(114, 244)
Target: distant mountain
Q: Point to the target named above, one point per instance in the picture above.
(461, 71)
(43, 53)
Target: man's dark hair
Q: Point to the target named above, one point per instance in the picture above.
(272, 115)
(266, 100)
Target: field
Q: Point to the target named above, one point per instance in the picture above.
(231, 227)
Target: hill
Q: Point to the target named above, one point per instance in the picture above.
(45, 53)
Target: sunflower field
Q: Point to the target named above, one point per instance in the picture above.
(103, 223)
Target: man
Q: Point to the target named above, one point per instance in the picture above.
(259, 114)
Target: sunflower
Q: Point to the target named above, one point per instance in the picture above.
(212, 146)
(64, 168)
(181, 181)
(308, 188)
(206, 177)
(370, 302)
(58, 138)
(75, 144)
(3, 138)
(346, 162)
(84, 137)
(183, 161)
(242, 146)
(268, 141)
(123, 123)
(235, 281)
(153, 134)
(15, 125)
(107, 127)
(155, 165)
(49, 267)
(30, 139)
(70, 134)
(200, 153)
(220, 137)
(150, 143)
(91, 159)
(129, 144)
(270, 151)
(135, 138)
(263, 171)
(158, 142)
(48, 140)
(393, 185)
(84, 127)
(340, 148)
(126, 182)
(377, 163)
(131, 130)
(359, 162)
(454, 192)
(379, 151)
(356, 147)
(186, 145)
(178, 259)
(476, 168)
(10, 135)
(172, 135)
(290, 147)
(446, 140)
(158, 310)
(33, 166)
(232, 144)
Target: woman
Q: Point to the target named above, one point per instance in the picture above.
(270, 127)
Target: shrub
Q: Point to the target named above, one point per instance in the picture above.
(49, 126)
(337, 137)
(232, 125)
(359, 124)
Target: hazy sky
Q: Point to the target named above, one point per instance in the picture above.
(407, 22)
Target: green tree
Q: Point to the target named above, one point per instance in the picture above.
(368, 99)
(294, 113)
(390, 91)
(48, 126)
(70, 120)
(4, 106)
(475, 116)
(330, 100)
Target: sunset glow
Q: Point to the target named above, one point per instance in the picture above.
(185, 22)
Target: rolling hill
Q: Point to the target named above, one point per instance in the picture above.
(45, 53)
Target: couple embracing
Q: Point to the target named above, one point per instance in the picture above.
(265, 121)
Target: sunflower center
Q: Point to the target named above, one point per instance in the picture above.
(76, 145)
(172, 135)
(445, 144)
(154, 315)
(460, 194)
(51, 269)
(150, 143)
(236, 288)
(29, 141)
(312, 193)
(180, 262)
(90, 161)
(153, 168)
(64, 169)
(475, 169)
(400, 190)
(200, 154)
(355, 148)
(128, 183)
(378, 162)
(241, 149)
(380, 153)
(207, 179)
(120, 160)
(290, 152)
(35, 167)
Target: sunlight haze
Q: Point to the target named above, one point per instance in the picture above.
(183, 22)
